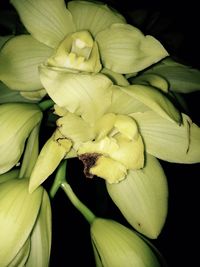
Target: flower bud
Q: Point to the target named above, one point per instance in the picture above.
(116, 245)
(16, 123)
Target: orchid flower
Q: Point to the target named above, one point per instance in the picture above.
(113, 129)
(82, 36)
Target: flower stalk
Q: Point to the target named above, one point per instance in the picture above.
(60, 181)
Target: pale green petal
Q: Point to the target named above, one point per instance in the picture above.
(18, 214)
(4, 39)
(53, 151)
(93, 16)
(155, 100)
(48, 20)
(19, 60)
(34, 96)
(41, 236)
(82, 94)
(16, 123)
(73, 127)
(181, 78)
(169, 141)
(124, 49)
(143, 198)
(22, 256)
(122, 103)
(116, 78)
(119, 246)
(7, 95)
(151, 79)
(13, 174)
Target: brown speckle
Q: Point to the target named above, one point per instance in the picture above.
(89, 160)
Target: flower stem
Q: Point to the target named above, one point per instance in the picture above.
(89, 216)
(60, 182)
(46, 104)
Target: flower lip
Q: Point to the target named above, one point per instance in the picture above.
(89, 161)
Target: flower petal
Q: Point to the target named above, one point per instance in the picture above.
(19, 60)
(22, 255)
(7, 95)
(18, 214)
(181, 78)
(122, 103)
(155, 100)
(82, 94)
(118, 245)
(48, 21)
(93, 16)
(124, 49)
(75, 128)
(142, 198)
(53, 151)
(169, 141)
(41, 236)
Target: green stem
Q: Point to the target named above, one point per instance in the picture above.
(60, 182)
(89, 216)
(46, 104)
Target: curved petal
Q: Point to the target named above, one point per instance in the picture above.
(48, 21)
(19, 60)
(124, 49)
(93, 16)
(155, 100)
(143, 198)
(8, 95)
(41, 236)
(122, 103)
(151, 79)
(53, 151)
(75, 128)
(169, 141)
(18, 214)
(84, 94)
(181, 78)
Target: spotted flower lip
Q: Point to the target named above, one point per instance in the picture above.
(51, 25)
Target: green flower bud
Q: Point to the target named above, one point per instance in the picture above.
(116, 245)
(78, 51)
(16, 123)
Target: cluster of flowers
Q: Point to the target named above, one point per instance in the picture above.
(111, 88)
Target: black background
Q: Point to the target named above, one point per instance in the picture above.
(176, 25)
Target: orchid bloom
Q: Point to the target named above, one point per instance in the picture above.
(82, 36)
(113, 129)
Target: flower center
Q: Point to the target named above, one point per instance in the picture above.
(77, 52)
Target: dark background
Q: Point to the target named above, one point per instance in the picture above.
(176, 25)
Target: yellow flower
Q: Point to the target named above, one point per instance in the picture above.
(25, 224)
(118, 132)
(85, 36)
